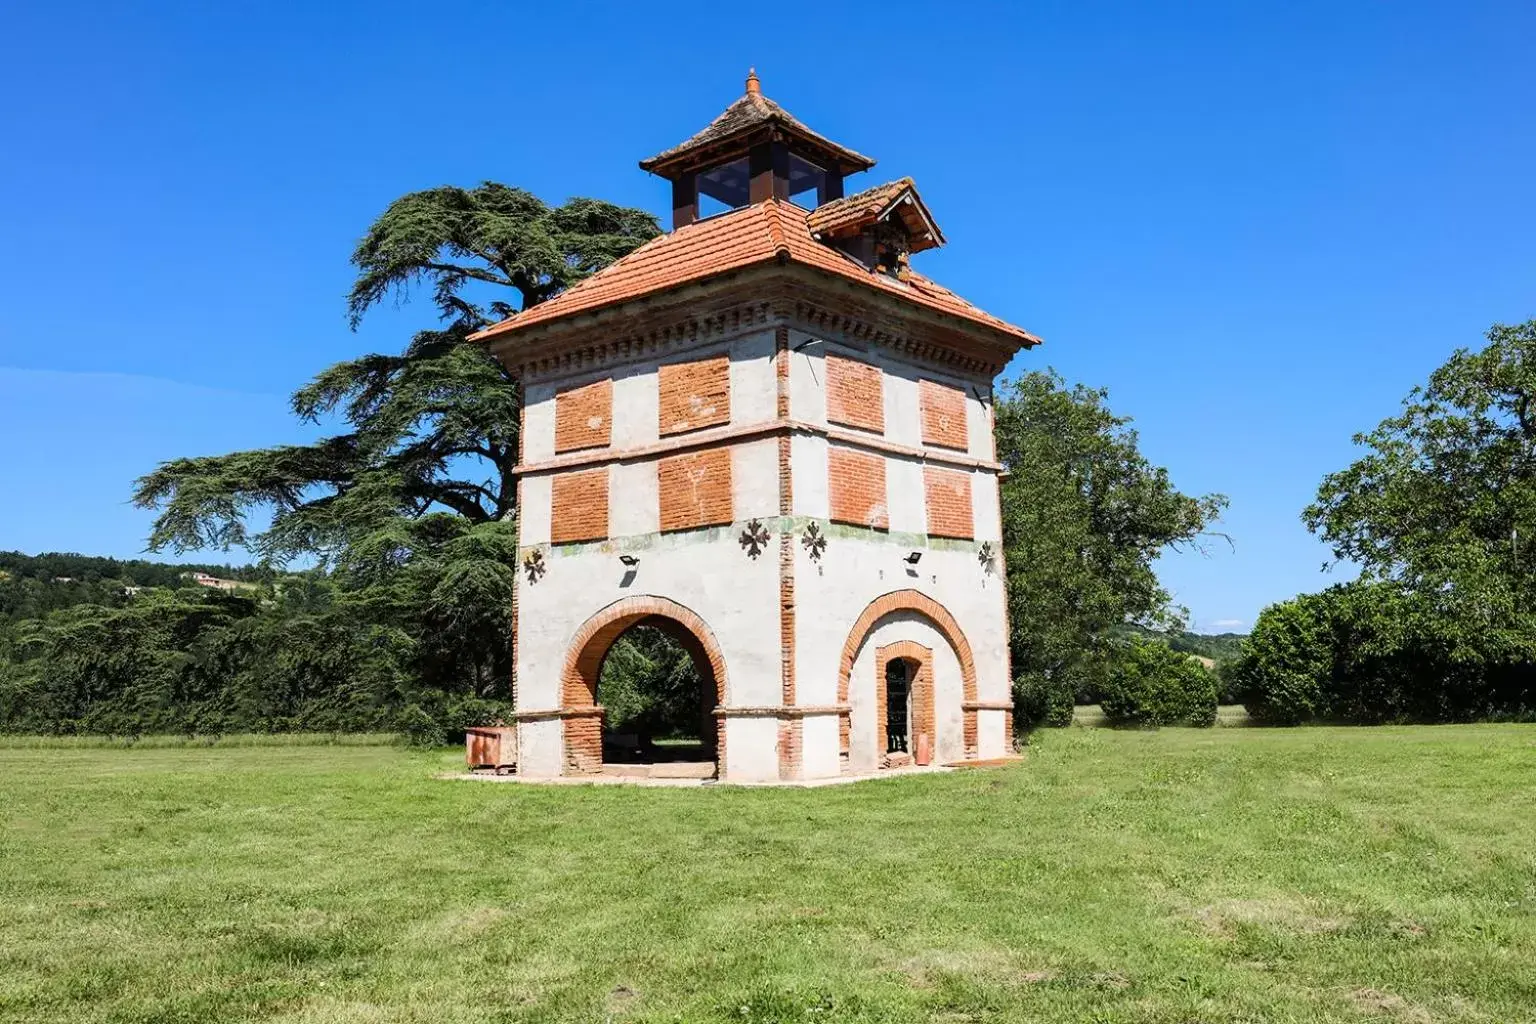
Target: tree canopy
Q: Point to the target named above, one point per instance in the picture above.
(412, 504)
(1085, 515)
(431, 429)
(1441, 625)
(1443, 502)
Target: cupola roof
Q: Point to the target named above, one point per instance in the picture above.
(738, 123)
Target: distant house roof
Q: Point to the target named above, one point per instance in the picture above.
(748, 114)
(771, 231)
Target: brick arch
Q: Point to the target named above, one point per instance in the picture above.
(939, 617)
(584, 665)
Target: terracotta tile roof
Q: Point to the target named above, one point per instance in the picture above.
(847, 215)
(754, 110)
(762, 233)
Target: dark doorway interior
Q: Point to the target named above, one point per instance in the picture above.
(898, 692)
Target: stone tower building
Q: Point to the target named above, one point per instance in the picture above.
(764, 433)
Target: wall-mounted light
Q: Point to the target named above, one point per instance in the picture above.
(913, 558)
(630, 561)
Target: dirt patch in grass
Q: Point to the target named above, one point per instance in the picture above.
(929, 968)
(1375, 1001)
(1299, 916)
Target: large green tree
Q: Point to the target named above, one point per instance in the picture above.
(433, 428)
(412, 502)
(1085, 516)
(1443, 502)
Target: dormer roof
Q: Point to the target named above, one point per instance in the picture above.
(744, 118)
(851, 215)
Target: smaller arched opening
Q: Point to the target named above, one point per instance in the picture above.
(904, 707)
(661, 667)
(922, 712)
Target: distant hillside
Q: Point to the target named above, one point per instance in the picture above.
(34, 585)
(136, 571)
(1218, 647)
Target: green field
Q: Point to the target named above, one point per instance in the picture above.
(1224, 875)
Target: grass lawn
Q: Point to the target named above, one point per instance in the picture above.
(1221, 875)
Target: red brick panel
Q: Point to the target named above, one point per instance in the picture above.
(854, 394)
(948, 497)
(580, 509)
(584, 416)
(943, 411)
(695, 489)
(856, 485)
(694, 395)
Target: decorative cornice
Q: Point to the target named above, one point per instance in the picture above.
(603, 337)
(788, 294)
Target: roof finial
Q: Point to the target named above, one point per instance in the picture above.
(754, 87)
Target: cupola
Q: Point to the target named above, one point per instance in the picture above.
(754, 151)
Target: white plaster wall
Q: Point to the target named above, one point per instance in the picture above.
(751, 749)
(807, 379)
(540, 747)
(636, 406)
(735, 596)
(754, 379)
(536, 501)
(979, 421)
(755, 480)
(820, 753)
(991, 739)
(634, 502)
(904, 495)
(985, 521)
(808, 476)
(538, 422)
(903, 415)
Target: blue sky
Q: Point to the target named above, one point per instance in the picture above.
(1257, 224)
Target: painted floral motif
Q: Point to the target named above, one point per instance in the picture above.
(815, 543)
(754, 538)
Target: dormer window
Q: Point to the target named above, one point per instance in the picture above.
(880, 227)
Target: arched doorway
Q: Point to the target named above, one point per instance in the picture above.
(920, 696)
(582, 711)
(904, 708)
